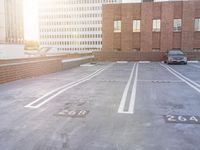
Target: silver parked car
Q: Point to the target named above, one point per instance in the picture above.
(176, 56)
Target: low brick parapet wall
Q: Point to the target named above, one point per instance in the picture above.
(64, 56)
(129, 56)
(138, 56)
(15, 70)
(193, 56)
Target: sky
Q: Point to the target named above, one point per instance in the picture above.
(31, 30)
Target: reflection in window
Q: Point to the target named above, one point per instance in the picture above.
(197, 24)
(117, 26)
(156, 50)
(156, 25)
(136, 25)
(177, 25)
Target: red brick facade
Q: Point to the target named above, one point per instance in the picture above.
(11, 70)
(146, 40)
(139, 56)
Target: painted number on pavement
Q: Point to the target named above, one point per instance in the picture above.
(74, 113)
(182, 119)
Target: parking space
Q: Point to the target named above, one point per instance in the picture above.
(104, 106)
(191, 70)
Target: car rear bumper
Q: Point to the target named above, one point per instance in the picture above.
(177, 62)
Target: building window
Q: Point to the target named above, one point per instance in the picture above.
(197, 24)
(136, 49)
(136, 25)
(117, 26)
(155, 50)
(156, 25)
(177, 25)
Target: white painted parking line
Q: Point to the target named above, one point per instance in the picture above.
(122, 62)
(188, 81)
(196, 66)
(144, 62)
(133, 94)
(54, 93)
(196, 84)
(57, 89)
(87, 65)
(124, 96)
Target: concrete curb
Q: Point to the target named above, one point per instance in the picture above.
(71, 63)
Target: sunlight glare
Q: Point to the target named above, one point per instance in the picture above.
(31, 20)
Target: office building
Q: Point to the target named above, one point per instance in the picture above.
(71, 25)
(11, 21)
(2, 22)
(11, 29)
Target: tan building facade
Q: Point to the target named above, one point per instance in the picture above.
(151, 26)
(2, 22)
(11, 21)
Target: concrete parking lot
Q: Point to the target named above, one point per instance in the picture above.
(104, 106)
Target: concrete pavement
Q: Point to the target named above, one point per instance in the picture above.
(80, 108)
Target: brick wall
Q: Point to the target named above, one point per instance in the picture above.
(167, 16)
(108, 29)
(11, 70)
(188, 28)
(146, 27)
(138, 56)
(146, 40)
(16, 71)
(7, 61)
(126, 34)
(129, 56)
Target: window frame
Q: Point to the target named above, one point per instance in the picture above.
(138, 25)
(158, 26)
(117, 26)
(155, 49)
(197, 28)
(176, 27)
